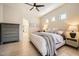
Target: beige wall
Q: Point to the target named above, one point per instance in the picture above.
(1, 13)
(12, 13)
(72, 11)
(34, 24)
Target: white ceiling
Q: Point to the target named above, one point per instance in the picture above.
(43, 10)
(48, 7)
(34, 13)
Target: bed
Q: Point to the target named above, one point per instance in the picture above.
(47, 43)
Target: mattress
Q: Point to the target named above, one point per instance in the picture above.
(39, 43)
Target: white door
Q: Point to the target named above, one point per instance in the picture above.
(25, 30)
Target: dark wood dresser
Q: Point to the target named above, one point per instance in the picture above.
(9, 33)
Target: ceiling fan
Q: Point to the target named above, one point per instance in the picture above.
(34, 5)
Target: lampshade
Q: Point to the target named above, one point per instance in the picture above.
(73, 28)
(45, 27)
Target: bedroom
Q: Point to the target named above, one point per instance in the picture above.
(53, 17)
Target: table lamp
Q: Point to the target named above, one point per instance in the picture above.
(73, 29)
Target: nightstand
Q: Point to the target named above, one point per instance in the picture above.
(72, 42)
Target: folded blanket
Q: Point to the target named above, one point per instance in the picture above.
(58, 38)
(51, 46)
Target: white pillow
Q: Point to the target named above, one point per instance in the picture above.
(60, 32)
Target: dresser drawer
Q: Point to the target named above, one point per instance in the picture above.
(9, 25)
(72, 43)
(8, 39)
(10, 35)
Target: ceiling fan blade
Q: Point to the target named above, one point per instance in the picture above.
(31, 8)
(34, 4)
(39, 5)
(37, 9)
(29, 4)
